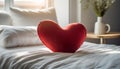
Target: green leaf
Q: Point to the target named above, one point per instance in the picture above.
(100, 6)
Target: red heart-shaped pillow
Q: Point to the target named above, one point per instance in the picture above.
(58, 39)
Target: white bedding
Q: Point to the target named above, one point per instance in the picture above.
(89, 56)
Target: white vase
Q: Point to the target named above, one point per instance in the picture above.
(100, 27)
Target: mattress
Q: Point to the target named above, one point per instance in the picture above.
(89, 56)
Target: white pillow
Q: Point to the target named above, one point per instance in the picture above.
(11, 36)
(27, 17)
(5, 18)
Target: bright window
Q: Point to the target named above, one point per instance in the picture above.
(33, 4)
(1, 4)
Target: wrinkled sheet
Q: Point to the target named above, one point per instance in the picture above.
(89, 56)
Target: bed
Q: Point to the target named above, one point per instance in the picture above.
(89, 56)
(32, 56)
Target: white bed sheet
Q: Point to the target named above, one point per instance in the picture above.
(89, 56)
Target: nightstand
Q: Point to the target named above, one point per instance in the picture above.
(102, 38)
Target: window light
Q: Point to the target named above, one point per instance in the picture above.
(30, 4)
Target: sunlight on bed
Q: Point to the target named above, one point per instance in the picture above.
(114, 52)
(109, 51)
(18, 54)
(21, 53)
(45, 49)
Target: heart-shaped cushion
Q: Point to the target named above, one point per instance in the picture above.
(58, 39)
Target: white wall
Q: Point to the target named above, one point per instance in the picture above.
(8, 4)
(68, 11)
(75, 12)
(62, 10)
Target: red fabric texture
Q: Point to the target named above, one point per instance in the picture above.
(58, 39)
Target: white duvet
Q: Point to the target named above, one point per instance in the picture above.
(89, 56)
